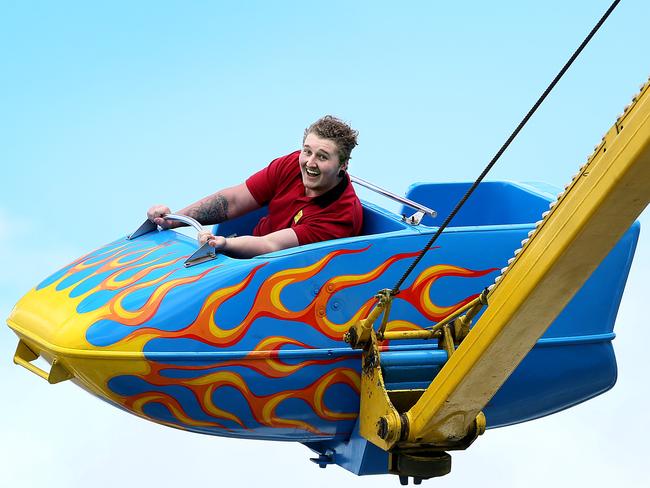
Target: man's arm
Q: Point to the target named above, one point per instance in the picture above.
(225, 204)
(249, 246)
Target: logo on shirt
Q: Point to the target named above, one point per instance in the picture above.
(297, 217)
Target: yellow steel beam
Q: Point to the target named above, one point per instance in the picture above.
(599, 205)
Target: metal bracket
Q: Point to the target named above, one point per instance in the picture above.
(146, 227)
(385, 416)
(416, 218)
(204, 253)
(324, 459)
(359, 334)
(379, 420)
(25, 355)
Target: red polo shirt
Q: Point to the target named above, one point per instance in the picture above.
(332, 215)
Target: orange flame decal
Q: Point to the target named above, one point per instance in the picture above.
(263, 407)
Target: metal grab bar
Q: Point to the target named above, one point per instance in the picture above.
(185, 219)
(148, 226)
(414, 219)
(202, 254)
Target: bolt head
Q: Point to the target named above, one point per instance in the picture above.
(382, 428)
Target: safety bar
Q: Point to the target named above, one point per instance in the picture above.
(414, 219)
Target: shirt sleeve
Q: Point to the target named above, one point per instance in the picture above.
(263, 185)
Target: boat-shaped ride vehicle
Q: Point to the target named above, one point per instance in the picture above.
(254, 347)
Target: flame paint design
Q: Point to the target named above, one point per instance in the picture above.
(263, 407)
(267, 303)
(137, 296)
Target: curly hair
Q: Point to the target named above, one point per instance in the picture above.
(329, 127)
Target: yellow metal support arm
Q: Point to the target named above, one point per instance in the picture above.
(598, 206)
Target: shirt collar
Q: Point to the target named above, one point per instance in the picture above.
(331, 195)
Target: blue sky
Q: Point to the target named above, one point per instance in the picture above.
(107, 109)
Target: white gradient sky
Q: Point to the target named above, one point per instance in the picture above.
(106, 109)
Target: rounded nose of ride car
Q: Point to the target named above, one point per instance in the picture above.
(80, 313)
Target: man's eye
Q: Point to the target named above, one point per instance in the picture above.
(307, 152)
(322, 157)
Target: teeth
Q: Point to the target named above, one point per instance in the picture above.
(311, 172)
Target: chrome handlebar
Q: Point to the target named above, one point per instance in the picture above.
(414, 219)
(185, 219)
(202, 254)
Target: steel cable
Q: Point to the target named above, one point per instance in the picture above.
(418, 258)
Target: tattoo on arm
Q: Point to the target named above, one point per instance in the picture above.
(211, 210)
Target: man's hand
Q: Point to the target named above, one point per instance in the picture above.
(155, 214)
(218, 242)
(249, 246)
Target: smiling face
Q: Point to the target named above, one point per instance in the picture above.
(319, 165)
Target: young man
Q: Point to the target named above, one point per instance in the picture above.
(308, 192)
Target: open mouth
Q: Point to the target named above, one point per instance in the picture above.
(312, 172)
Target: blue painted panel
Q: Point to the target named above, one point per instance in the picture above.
(492, 203)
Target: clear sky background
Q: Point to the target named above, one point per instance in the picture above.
(107, 108)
